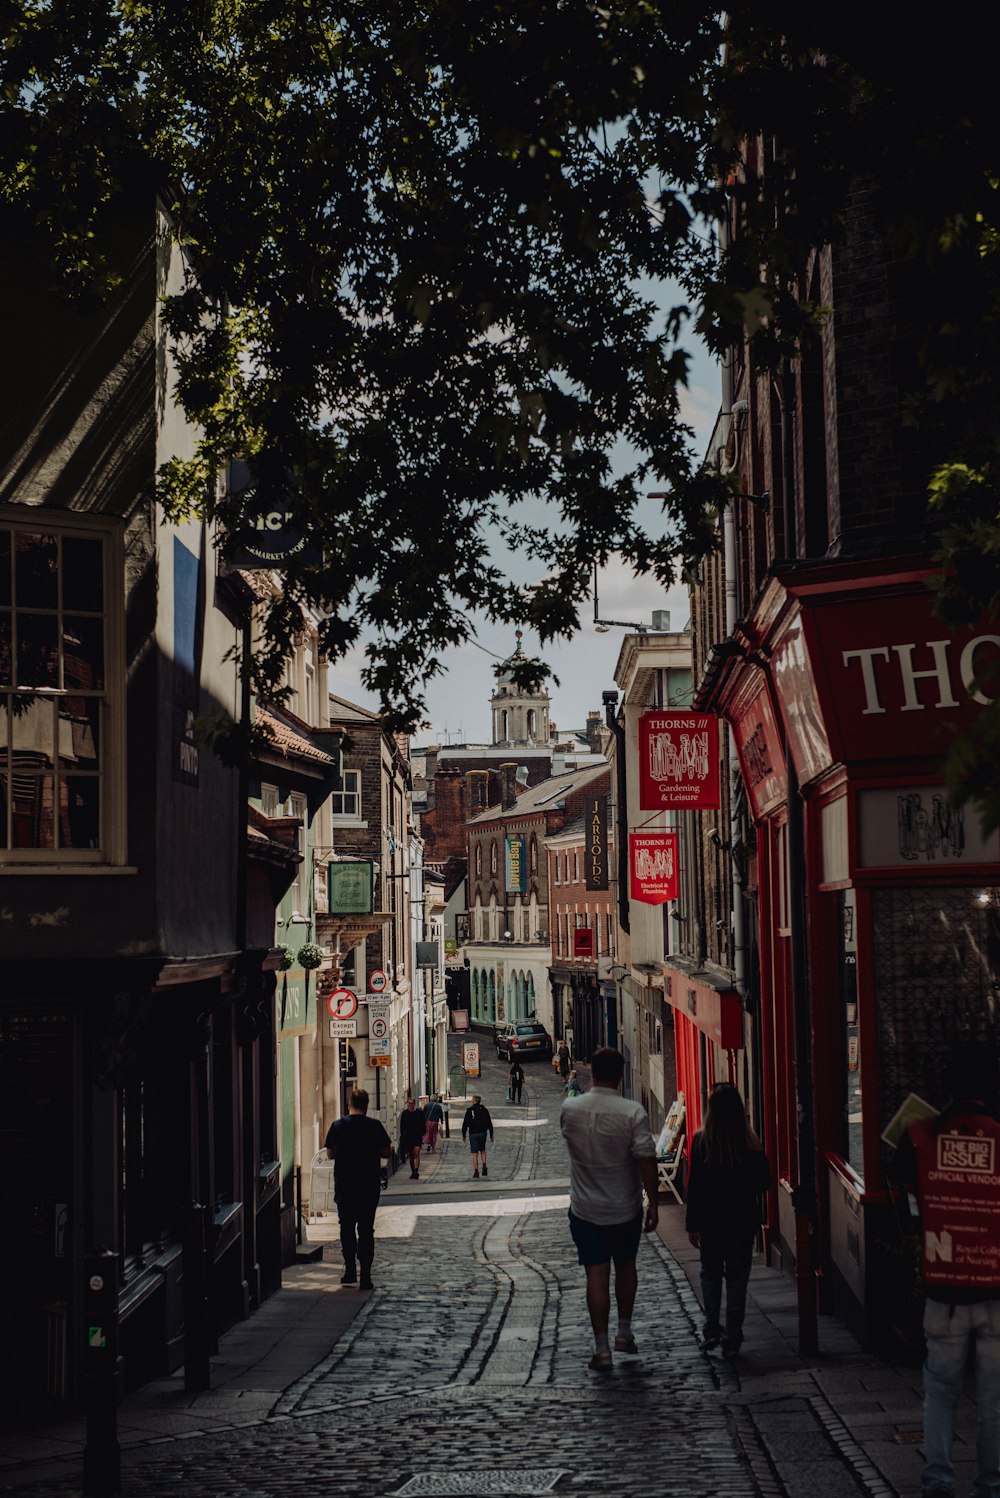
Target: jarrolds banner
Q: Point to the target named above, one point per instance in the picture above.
(678, 760)
(653, 867)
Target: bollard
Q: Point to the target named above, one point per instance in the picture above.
(197, 1310)
(102, 1459)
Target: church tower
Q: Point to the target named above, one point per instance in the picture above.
(520, 715)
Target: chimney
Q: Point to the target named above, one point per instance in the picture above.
(593, 732)
(508, 784)
(477, 782)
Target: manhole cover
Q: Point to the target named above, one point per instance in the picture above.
(525, 1482)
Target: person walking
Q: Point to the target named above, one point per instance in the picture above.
(515, 1080)
(950, 1163)
(357, 1145)
(477, 1123)
(728, 1170)
(574, 1087)
(411, 1136)
(433, 1115)
(611, 1157)
(564, 1059)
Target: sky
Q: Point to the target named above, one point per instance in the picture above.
(458, 701)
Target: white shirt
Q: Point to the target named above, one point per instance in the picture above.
(606, 1135)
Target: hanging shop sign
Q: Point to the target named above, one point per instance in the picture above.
(596, 853)
(514, 865)
(678, 760)
(350, 886)
(583, 941)
(653, 867)
(270, 534)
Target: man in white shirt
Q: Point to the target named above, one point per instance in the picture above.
(612, 1157)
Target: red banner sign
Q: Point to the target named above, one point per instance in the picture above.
(678, 760)
(653, 867)
(583, 941)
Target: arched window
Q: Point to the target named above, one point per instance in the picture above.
(479, 860)
(530, 995)
(492, 1006)
(532, 722)
(494, 931)
(533, 855)
(476, 1012)
(493, 856)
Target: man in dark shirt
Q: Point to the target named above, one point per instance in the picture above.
(357, 1145)
(411, 1136)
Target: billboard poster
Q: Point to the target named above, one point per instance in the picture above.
(596, 853)
(653, 867)
(678, 760)
(514, 865)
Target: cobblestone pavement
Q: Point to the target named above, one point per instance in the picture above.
(465, 1371)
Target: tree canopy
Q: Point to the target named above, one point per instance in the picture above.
(430, 240)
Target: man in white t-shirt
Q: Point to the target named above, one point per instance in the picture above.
(612, 1157)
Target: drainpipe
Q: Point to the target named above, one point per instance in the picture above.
(610, 700)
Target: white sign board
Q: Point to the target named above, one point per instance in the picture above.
(470, 1057)
(343, 1029)
(378, 1027)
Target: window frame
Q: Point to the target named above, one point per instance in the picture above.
(348, 818)
(112, 849)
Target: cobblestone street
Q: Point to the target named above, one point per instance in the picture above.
(465, 1371)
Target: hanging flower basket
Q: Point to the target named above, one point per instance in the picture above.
(310, 955)
(287, 958)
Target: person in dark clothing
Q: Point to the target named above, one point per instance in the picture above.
(411, 1135)
(564, 1059)
(477, 1123)
(357, 1145)
(728, 1171)
(950, 1163)
(516, 1078)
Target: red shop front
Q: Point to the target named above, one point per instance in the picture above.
(841, 706)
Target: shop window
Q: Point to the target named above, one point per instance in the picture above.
(850, 1030)
(936, 956)
(61, 711)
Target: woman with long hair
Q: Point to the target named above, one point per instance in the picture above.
(728, 1171)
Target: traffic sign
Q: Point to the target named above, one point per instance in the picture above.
(378, 981)
(342, 1003)
(379, 1028)
(343, 1029)
(381, 1060)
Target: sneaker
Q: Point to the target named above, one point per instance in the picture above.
(365, 1282)
(475, 1175)
(731, 1349)
(626, 1344)
(708, 1344)
(349, 1277)
(485, 1171)
(601, 1362)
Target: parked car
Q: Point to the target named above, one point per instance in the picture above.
(522, 1038)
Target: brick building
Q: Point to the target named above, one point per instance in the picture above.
(865, 910)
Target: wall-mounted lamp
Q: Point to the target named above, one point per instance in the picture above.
(508, 936)
(675, 915)
(761, 501)
(716, 839)
(298, 919)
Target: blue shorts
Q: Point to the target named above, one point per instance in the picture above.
(477, 1144)
(600, 1242)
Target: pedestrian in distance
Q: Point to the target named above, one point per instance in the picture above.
(950, 1162)
(564, 1059)
(611, 1159)
(476, 1124)
(433, 1115)
(728, 1171)
(515, 1080)
(357, 1145)
(574, 1087)
(411, 1136)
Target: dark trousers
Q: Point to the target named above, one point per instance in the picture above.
(515, 1091)
(357, 1226)
(725, 1257)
